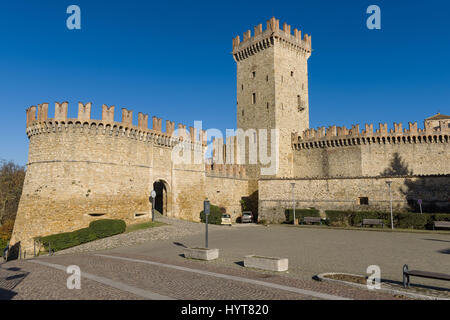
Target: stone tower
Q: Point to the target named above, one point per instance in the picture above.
(272, 87)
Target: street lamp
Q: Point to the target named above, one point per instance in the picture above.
(152, 199)
(293, 200)
(390, 201)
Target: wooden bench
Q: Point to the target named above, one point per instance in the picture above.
(423, 274)
(372, 222)
(312, 220)
(441, 224)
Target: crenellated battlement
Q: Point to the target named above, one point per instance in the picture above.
(42, 123)
(334, 136)
(225, 170)
(262, 40)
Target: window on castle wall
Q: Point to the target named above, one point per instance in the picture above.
(253, 98)
(267, 78)
(267, 106)
(299, 103)
(242, 112)
(242, 87)
(364, 201)
(292, 73)
(254, 74)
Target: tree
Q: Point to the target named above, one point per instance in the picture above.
(11, 183)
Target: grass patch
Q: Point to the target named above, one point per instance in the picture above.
(144, 225)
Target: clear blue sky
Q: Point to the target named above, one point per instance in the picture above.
(172, 59)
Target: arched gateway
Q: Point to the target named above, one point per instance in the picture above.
(161, 188)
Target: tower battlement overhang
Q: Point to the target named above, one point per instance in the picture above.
(262, 40)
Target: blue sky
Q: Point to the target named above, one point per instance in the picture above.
(173, 60)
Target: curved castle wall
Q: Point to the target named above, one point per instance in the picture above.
(81, 169)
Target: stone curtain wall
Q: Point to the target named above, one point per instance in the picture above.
(369, 154)
(343, 194)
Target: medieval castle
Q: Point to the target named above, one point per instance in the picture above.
(84, 169)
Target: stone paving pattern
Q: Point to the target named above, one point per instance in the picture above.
(310, 251)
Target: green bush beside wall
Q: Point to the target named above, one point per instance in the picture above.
(338, 218)
(97, 229)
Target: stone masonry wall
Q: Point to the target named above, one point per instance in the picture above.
(343, 194)
(350, 153)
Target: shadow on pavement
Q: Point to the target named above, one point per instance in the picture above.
(6, 294)
(9, 279)
(437, 240)
(240, 263)
(179, 244)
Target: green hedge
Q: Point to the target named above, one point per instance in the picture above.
(349, 218)
(97, 229)
(107, 227)
(215, 215)
(338, 218)
(411, 220)
(401, 220)
(300, 214)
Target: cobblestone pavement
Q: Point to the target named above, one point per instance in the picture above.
(43, 282)
(176, 229)
(310, 252)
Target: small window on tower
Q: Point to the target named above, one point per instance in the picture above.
(267, 106)
(253, 74)
(267, 78)
(242, 87)
(242, 112)
(299, 103)
(253, 98)
(292, 73)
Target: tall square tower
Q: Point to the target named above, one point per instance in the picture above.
(272, 86)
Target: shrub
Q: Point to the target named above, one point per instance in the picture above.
(107, 227)
(97, 229)
(60, 241)
(6, 229)
(411, 220)
(300, 214)
(85, 235)
(215, 215)
(338, 218)
(3, 244)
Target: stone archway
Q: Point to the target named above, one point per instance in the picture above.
(162, 198)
